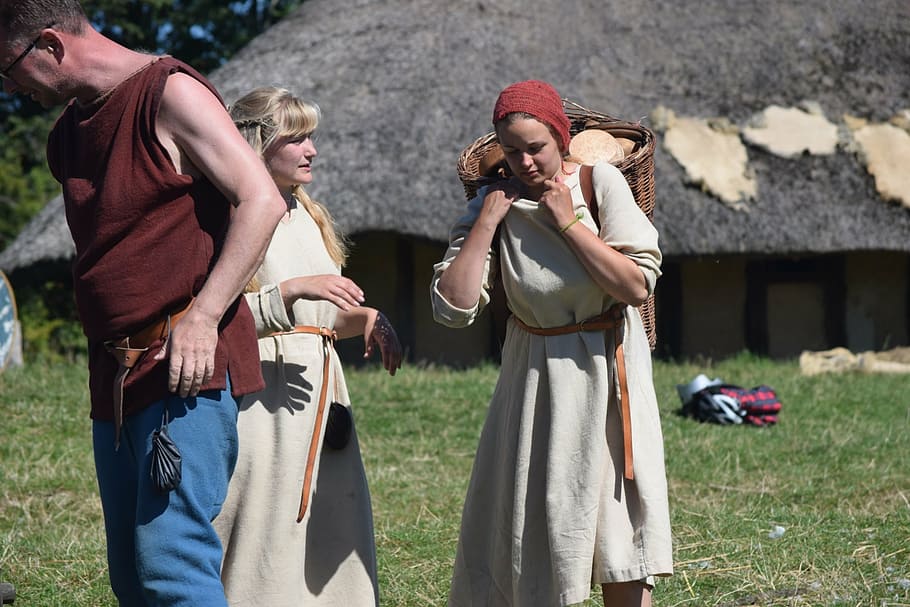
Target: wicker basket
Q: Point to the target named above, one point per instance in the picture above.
(637, 168)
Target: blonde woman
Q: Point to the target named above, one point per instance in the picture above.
(297, 525)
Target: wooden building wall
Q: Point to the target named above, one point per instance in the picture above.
(781, 306)
(706, 307)
(395, 274)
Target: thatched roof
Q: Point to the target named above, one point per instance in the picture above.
(45, 238)
(405, 84)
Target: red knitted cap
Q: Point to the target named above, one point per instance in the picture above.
(538, 99)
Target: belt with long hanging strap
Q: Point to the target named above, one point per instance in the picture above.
(328, 337)
(128, 351)
(612, 319)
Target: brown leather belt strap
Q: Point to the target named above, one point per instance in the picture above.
(128, 351)
(624, 407)
(328, 336)
(612, 319)
(601, 322)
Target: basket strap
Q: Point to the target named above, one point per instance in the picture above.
(586, 180)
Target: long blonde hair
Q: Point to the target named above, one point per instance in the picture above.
(266, 114)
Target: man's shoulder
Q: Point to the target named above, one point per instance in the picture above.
(174, 65)
(187, 91)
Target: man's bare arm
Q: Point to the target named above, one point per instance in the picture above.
(201, 138)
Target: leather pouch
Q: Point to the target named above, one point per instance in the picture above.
(338, 427)
(166, 461)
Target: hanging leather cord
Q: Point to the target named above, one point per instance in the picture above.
(328, 337)
(612, 319)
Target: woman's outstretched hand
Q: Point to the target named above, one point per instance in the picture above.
(339, 290)
(379, 332)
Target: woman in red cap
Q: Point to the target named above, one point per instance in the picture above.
(556, 500)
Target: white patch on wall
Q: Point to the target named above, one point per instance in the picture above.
(789, 132)
(885, 149)
(712, 155)
(902, 119)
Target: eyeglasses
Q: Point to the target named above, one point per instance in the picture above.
(4, 74)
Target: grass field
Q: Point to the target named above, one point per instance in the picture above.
(833, 475)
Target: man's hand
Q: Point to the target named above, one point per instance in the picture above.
(191, 344)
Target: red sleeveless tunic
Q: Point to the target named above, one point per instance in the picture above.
(146, 238)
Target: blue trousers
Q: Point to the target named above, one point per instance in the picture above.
(162, 548)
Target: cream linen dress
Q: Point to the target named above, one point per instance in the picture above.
(329, 558)
(547, 511)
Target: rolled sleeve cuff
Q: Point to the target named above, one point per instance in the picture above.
(451, 316)
(268, 310)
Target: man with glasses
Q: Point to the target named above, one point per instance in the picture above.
(5, 73)
(171, 212)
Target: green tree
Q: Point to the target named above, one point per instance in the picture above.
(204, 33)
(25, 182)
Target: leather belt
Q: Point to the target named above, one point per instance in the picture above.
(328, 337)
(612, 319)
(128, 351)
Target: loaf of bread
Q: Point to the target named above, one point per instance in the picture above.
(593, 145)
